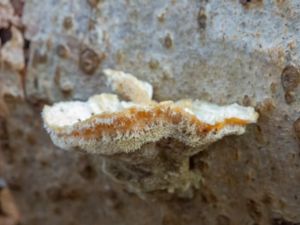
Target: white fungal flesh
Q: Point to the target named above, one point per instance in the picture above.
(212, 113)
(68, 113)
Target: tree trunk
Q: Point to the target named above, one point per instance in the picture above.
(218, 51)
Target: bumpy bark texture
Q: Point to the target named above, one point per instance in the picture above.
(218, 51)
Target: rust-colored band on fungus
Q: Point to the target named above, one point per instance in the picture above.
(132, 120)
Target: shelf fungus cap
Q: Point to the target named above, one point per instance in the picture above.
(105, 124)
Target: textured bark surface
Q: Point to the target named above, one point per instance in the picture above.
(219, 51)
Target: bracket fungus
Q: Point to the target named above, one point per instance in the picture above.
(132, 133)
